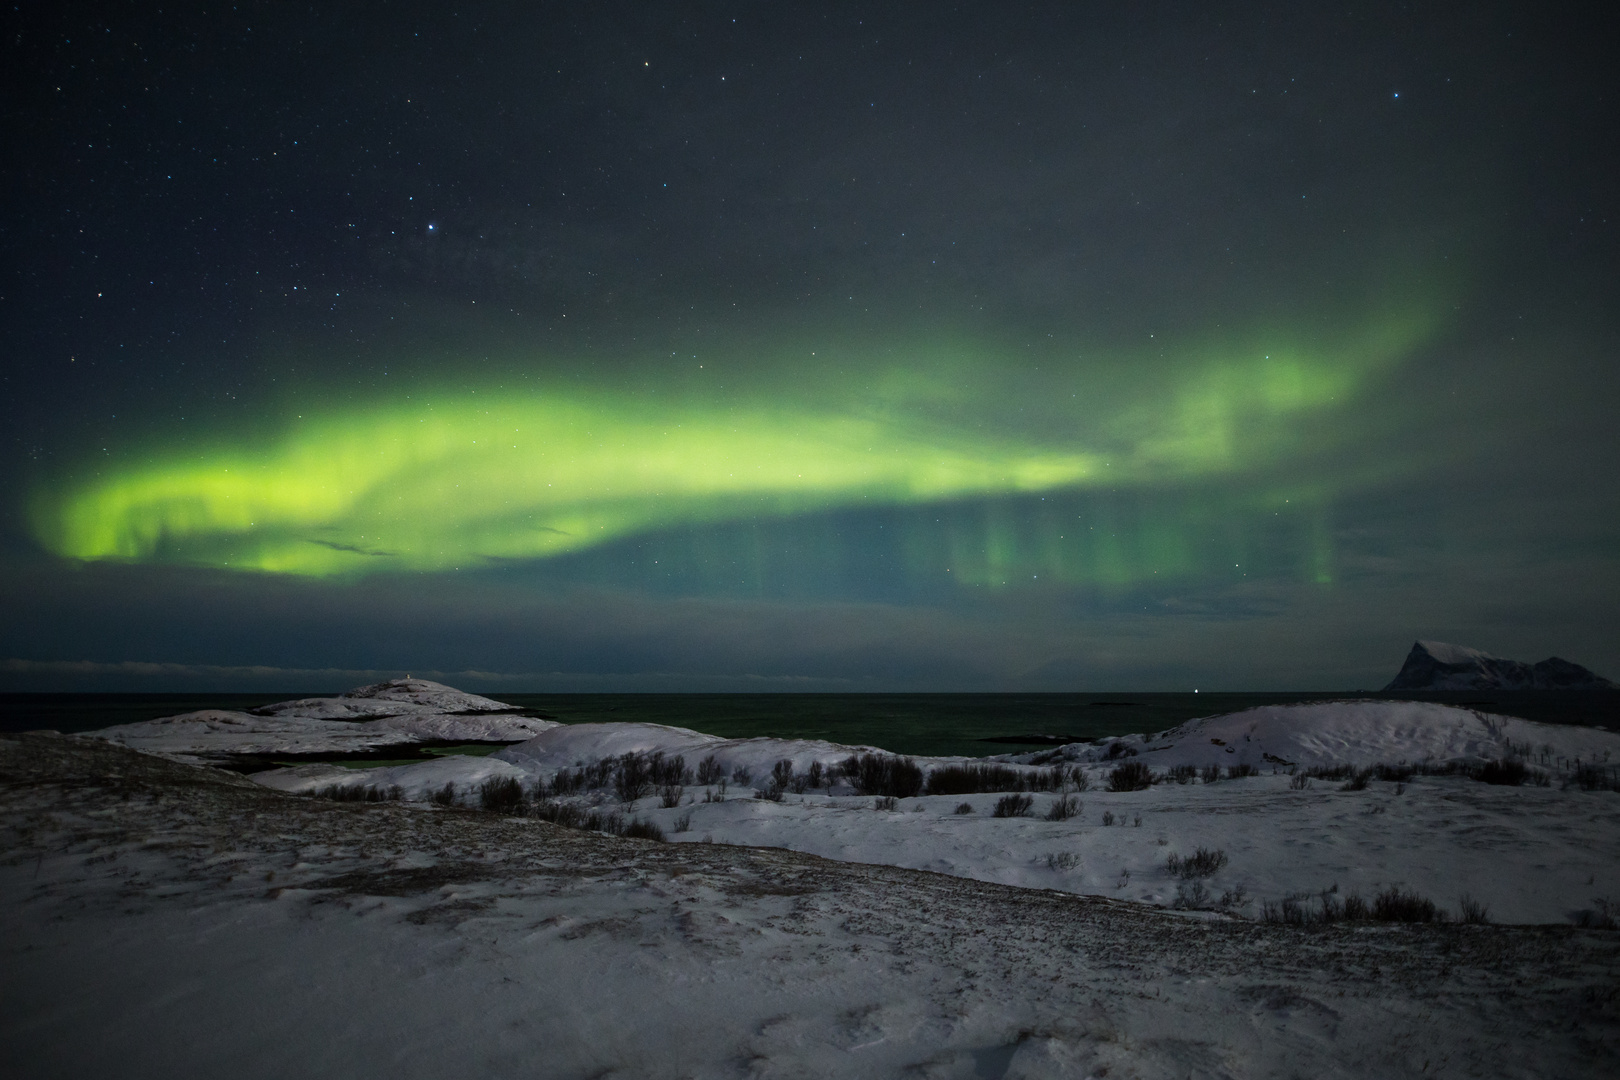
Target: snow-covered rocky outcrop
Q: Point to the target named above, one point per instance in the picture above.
(396, 697)
(398, 712)
(1436, 665)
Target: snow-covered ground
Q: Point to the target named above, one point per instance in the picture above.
(163, 920)
(399, 712)
(1353, 733)
(1530, 854)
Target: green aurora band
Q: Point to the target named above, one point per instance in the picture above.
(471, 478)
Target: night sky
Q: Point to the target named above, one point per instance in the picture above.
(805, 347)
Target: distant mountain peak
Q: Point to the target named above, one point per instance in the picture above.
(1446, 653)
(1440, 665)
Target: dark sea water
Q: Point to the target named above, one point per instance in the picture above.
(969, 724)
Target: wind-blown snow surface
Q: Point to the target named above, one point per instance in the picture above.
(394, 713)
(164, 920)
(1532, 854)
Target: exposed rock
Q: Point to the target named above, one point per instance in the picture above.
(1436, 665)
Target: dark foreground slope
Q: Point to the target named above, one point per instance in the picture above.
(167, 920)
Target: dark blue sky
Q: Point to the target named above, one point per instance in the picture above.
(839, 346)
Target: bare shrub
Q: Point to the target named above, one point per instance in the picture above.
(669, 796)
(978, 778)
(1295, 909)
(566, 782)
(597, 821)
(964, 808)
(598, 774)
(740, 775)
(816, 775)
(1300, 782)
(782, 777)
(643, 830)
(1395, 904)
(501, 795)
(1062, 860)
(1108, 817)
(1130, 776)
(1063, 808)
(884, 774)
(1288, 912)
(710, 771)
(1238, 772)
(973, 779)
(1191, 897)
(887, 802)
(1357, 781)
(683, 823)
(1182, 774)
(445, 796)
(1200, 864)
(670, 770)
(1471, 911)
(1210, 774)
(769, 793)
(1593, 778)
(1013, 806)
(359, 793)
(568, 815)
(633, 779)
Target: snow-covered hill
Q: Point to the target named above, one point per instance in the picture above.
(1282, 834)
(1359, 733)
(399, 712)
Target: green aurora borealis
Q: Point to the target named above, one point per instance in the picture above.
(803, 347)
(465, 476)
